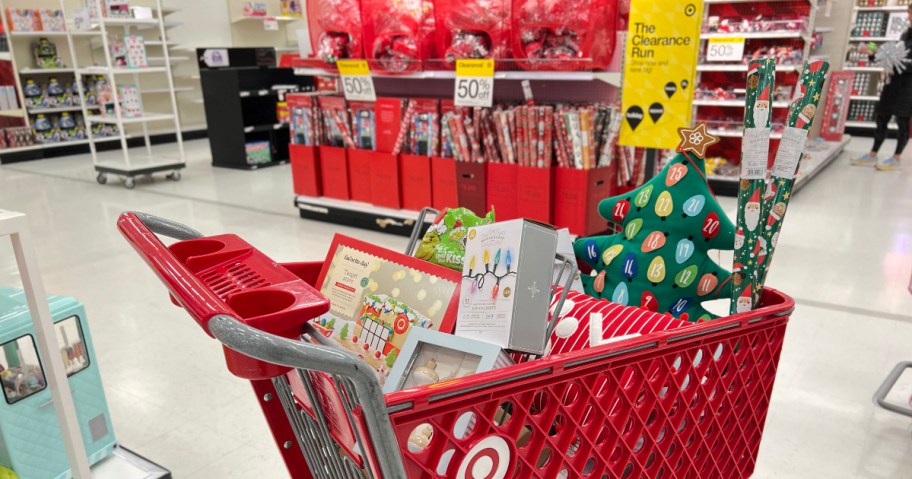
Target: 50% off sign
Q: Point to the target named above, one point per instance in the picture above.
(474, 83)
(357, 83)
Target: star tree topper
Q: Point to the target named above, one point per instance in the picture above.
(696, 140)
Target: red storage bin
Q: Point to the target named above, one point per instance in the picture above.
(471, 184)
(305, 170)
(396, 36)
(468, 29)
(334, 171)
(502, 191)
(335, 32)
(385, 180)
(359, 175)
(535, 193)
(566, 35)
(415, 178)
(444, 192)
(576, 197)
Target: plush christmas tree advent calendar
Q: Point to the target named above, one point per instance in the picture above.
(660, 261)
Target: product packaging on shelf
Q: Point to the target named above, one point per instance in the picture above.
(333, 155)
(420, 145)
(335, 31)
(305, 134)
(471, 29)
(396, 35)
(565, 36)
(361, 157)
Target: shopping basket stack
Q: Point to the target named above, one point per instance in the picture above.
(685, 403)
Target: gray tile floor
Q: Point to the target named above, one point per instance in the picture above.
(845, 255)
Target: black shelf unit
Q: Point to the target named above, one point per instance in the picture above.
(241, 105)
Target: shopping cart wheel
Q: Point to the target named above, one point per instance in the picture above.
(175, 175)
(102, 178)
(129, 183)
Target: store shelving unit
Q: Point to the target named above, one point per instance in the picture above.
(872, 76)
(240, 103)
(732, 76)
(147, 162)
(77, 47)
(249, 31)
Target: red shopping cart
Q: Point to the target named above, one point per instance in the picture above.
(685, 403)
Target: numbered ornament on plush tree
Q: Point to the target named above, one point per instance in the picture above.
(659, 261)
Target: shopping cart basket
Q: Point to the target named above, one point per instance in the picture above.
(690, 402)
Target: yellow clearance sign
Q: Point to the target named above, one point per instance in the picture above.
(660, 65)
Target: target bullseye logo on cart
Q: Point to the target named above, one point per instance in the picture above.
(490, 458)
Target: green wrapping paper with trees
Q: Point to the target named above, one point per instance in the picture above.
(761, 77)
(778, 192)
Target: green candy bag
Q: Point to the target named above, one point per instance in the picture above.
(444, 242)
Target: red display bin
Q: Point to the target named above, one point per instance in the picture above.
(576, 197)
(305, 170)
(359, 175)
(444, 192)
(334, 171)
(470, 181)
(415, 177)
(385, 180)
(535, 193)
(501, 190)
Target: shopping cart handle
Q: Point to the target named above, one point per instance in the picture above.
(880, 397)
(273, 349)
(139, 229)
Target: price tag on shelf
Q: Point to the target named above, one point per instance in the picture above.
(474, 83)
(357, 83)
(725, 49)
(270, 23)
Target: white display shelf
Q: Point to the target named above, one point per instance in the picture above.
(865, 97)
(613, 78)
(754, 35)
(147, 117)
(131, 21)
(872, 39)
(869, 124)
(864, 69)
(739, 134)
(815, 161)
(824, 29)
(735, 103)
(36, 111)
(278, 18)
(58, 144)
(894, 8)
(44, 71)
(723, 67)
(37, 34)
(6, 56)
(177, 89)
(121, 70)
(16, 113)
(174, 58)
(140, 163)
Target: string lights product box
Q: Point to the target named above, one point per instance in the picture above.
(506, 285)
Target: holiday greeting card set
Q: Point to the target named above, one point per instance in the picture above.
(378, 296)
(136, 51)
(131, 101)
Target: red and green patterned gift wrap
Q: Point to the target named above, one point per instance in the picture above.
(761, 77)
(782, 178)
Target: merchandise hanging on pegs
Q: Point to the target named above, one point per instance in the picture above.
(471, 29)
(335, 30)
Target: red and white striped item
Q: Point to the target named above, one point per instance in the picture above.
(572, 330)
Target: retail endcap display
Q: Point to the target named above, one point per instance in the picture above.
(659, 261)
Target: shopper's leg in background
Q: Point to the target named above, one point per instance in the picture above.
(902, 137)
(880, 134)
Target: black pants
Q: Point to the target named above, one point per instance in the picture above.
(880, 134)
